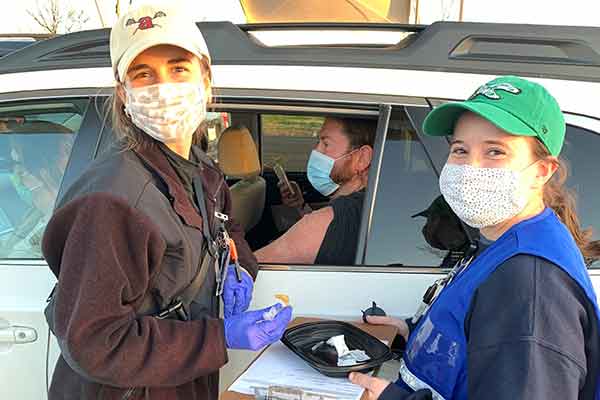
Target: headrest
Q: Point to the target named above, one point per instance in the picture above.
(238, 157)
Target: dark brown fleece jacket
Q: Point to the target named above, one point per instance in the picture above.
(115, 238)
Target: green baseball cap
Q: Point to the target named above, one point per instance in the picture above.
(515, 105)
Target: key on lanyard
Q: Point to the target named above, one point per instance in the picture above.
(222, 270)
(428, 297)
(224, 254)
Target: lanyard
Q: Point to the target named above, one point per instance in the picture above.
(433, 291)
(218, 247)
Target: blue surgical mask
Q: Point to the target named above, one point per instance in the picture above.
(319, 172)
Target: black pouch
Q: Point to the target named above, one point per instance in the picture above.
(302, 339)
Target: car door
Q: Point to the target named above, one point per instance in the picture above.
(37, 140)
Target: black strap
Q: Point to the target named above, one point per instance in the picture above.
(200, 199)
(178, 305)
(218, 250)
(211, 243)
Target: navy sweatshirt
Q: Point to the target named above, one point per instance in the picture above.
(531, 334)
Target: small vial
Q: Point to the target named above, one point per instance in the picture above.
(270, 315)
(282, 299)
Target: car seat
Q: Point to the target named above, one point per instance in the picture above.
(238, 158)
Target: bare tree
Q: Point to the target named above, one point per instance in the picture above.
(448, 10)
(55, 19)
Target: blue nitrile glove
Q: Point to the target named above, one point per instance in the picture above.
(236, 295)
(248, 330)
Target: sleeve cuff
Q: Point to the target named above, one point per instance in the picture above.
(393, 392)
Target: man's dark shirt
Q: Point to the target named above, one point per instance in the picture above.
(341, 239)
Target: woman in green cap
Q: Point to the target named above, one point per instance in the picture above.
(518, 318)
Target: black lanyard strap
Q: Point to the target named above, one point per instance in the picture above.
(206, 225)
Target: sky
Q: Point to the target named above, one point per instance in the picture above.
(17, 20)
(572, 12)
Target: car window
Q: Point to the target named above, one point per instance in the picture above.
(581, 151)
(36, 139)
(289, 139)
(407, 186)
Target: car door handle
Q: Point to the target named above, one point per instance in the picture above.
(17, 335)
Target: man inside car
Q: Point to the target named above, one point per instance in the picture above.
(338, 168)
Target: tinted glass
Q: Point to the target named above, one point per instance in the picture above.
(289, 139)
(407, 186)
(581, 150)
(35, 145)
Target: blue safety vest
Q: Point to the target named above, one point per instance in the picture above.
(436, 352)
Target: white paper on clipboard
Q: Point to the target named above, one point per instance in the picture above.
(279, 366)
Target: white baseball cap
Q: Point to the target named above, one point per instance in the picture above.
(149, 25)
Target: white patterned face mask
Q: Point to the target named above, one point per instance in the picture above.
(483, 196)
(167, 111)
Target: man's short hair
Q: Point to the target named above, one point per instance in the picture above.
(360, 132)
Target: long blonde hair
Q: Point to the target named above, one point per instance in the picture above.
(130, 136)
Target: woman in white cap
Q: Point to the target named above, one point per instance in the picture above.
(518, 318)
(140, 242)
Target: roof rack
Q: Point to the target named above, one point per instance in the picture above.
(560, 52)
(10, 42)
(34, 36)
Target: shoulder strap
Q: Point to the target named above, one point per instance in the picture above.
(201, 200)
(218, 248)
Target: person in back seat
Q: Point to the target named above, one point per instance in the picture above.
(338, 167)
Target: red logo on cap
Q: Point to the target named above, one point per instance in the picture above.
(145, 22)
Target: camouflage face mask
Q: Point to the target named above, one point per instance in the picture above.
(167, 111)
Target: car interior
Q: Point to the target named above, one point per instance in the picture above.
(247, 151)
(254, 143)
(238, 159)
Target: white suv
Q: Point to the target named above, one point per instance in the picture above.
(52, 119)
